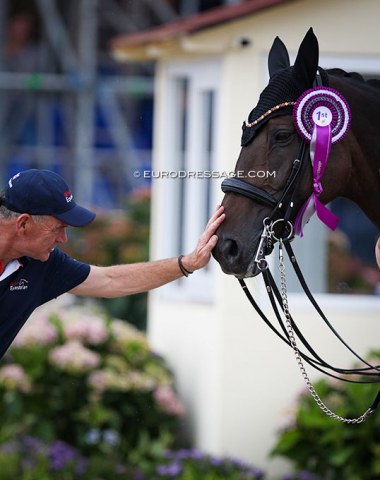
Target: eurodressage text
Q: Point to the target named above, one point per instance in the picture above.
(203, 174)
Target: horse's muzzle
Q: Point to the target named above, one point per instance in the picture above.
(236, 258)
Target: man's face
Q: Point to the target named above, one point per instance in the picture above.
(44, 236)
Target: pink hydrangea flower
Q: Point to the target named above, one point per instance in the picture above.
(37, 331)
(101, 380)
(13, 377)
(74, 357)
(90, 329)
(167, 400)
(124, 333)
(130, 380)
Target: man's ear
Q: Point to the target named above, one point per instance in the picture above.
(23, 222)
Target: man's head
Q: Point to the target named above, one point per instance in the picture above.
(42, 192)
(35, 208)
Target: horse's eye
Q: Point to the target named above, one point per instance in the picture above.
(282, 135)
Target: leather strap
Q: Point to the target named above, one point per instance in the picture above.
(236, 185)
(312, 358)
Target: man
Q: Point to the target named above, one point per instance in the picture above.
(377, 252)
(35, 208)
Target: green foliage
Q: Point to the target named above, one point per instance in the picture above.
(29, 458)
(83, 397)
(117, 237)
(330, 449)
(195, 465)
(76, 376)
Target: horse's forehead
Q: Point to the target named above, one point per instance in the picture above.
(276, 99)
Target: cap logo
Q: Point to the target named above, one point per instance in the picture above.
(68, 196)
(13, 178)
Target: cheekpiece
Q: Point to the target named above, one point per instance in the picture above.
(322, 106)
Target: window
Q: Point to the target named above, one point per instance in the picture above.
(189, 194)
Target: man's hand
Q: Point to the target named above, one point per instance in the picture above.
(207, 241)
(119, 280)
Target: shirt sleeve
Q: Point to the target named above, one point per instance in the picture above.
(62, 274)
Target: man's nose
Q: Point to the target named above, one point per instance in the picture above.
(62, 237)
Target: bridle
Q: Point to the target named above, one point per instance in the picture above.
(282, 209)
(278, 228)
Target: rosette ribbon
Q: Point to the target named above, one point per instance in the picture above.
(320, 147)
(322, 117)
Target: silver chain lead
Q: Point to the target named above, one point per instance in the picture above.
(293, 343)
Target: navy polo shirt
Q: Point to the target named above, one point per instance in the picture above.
(33, 284)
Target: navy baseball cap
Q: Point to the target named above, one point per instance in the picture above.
(42, 192)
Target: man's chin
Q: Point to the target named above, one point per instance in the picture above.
(44, 257)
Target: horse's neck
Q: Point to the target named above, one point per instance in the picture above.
(365, 108)
(366, 178)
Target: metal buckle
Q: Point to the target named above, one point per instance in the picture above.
(287, 225)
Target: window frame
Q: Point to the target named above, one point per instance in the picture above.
(195, 195)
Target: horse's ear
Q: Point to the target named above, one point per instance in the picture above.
(278, 57)
(306, 63)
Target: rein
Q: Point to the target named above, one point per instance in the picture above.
(291, 334)
(278, 228)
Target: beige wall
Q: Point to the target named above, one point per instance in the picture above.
(236, 378)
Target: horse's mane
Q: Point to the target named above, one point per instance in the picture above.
(355, 76)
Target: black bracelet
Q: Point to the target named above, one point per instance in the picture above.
(182, 268)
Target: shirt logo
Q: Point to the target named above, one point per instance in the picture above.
(68, 196)
(21, 284)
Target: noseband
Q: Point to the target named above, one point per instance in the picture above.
(281, 209)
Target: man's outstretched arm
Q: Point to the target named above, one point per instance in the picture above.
(128, 279)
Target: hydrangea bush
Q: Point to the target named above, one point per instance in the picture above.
(321, 448)
(83, 397)
(75, 376)
(29, 458)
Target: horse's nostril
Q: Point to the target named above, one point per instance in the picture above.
(229, 253)
(231, 247)
(227, 249)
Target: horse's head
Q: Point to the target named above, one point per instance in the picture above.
(270, 147)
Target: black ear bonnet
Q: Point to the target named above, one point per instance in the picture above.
(286, 84)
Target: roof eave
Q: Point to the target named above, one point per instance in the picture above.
(152, 44)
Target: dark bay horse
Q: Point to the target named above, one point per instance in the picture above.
(271, 143)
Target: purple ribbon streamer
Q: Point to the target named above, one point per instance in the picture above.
(320, 147)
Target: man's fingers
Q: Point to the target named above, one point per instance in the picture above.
(218, 212)
(215, 221)
(211, 228)
(201, 255)
(212, 242)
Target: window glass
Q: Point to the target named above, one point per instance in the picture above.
(351, 258)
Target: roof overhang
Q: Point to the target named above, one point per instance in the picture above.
(152, 44)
